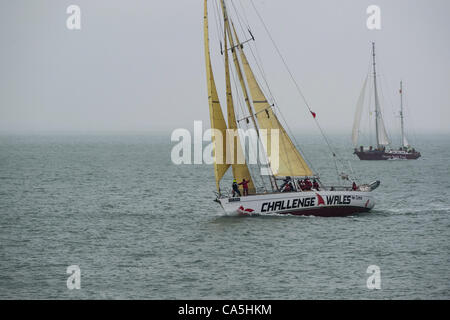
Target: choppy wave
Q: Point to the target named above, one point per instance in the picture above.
(140, 227)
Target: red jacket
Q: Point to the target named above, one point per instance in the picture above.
(244, 184)
(308, 184)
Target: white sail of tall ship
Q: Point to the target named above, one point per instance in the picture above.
(294, 187)
(379, 152)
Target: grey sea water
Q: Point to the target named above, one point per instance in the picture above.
(140, 227)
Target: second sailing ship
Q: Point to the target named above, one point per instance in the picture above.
(379, 152)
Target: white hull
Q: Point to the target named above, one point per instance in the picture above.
(317, 203)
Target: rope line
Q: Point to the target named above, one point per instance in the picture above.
(297, 86)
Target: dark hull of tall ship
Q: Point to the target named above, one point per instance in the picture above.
(383, 155)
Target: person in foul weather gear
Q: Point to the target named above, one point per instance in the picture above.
(244, 184)
(287, 185)
(236, 189)
(354, 186)
(302, 185)
(308, 184)
(315, 185)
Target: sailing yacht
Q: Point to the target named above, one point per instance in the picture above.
(405, 152)
(301, 197)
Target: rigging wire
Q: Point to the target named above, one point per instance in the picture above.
(368, 85)
(367, 136)
(411, 128)
(235, 82)
(259, 143)
(383, 119)
(260, 67)
(218, 25)
(247, 125)
(390, 100)
(297, 86)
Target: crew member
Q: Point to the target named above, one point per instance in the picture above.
(302, 185)
(315, 185)
(354, 186)
(244, 184)
(286, 186)
(308, 184)
(236, 188)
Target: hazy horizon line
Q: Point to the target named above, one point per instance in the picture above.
(169, 132)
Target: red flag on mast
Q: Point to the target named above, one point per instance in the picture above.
(313, 114)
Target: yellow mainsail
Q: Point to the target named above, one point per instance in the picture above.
(290, 162)
(215, 112)
(284, 158)
(240, 170)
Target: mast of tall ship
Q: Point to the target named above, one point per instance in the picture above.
(401, 115)
(377, 111)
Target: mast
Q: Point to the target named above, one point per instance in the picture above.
(380, 129)
(240, 170)
(401, 115)
(241, 79)
(376, 95)
(237, 64)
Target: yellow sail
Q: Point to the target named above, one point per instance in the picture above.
(215, 112)
(290, 162)
(240, 171)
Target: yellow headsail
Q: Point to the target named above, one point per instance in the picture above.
(240, 171)
(291, 163)
(215, 112)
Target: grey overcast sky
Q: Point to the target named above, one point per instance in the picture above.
(138, 65)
